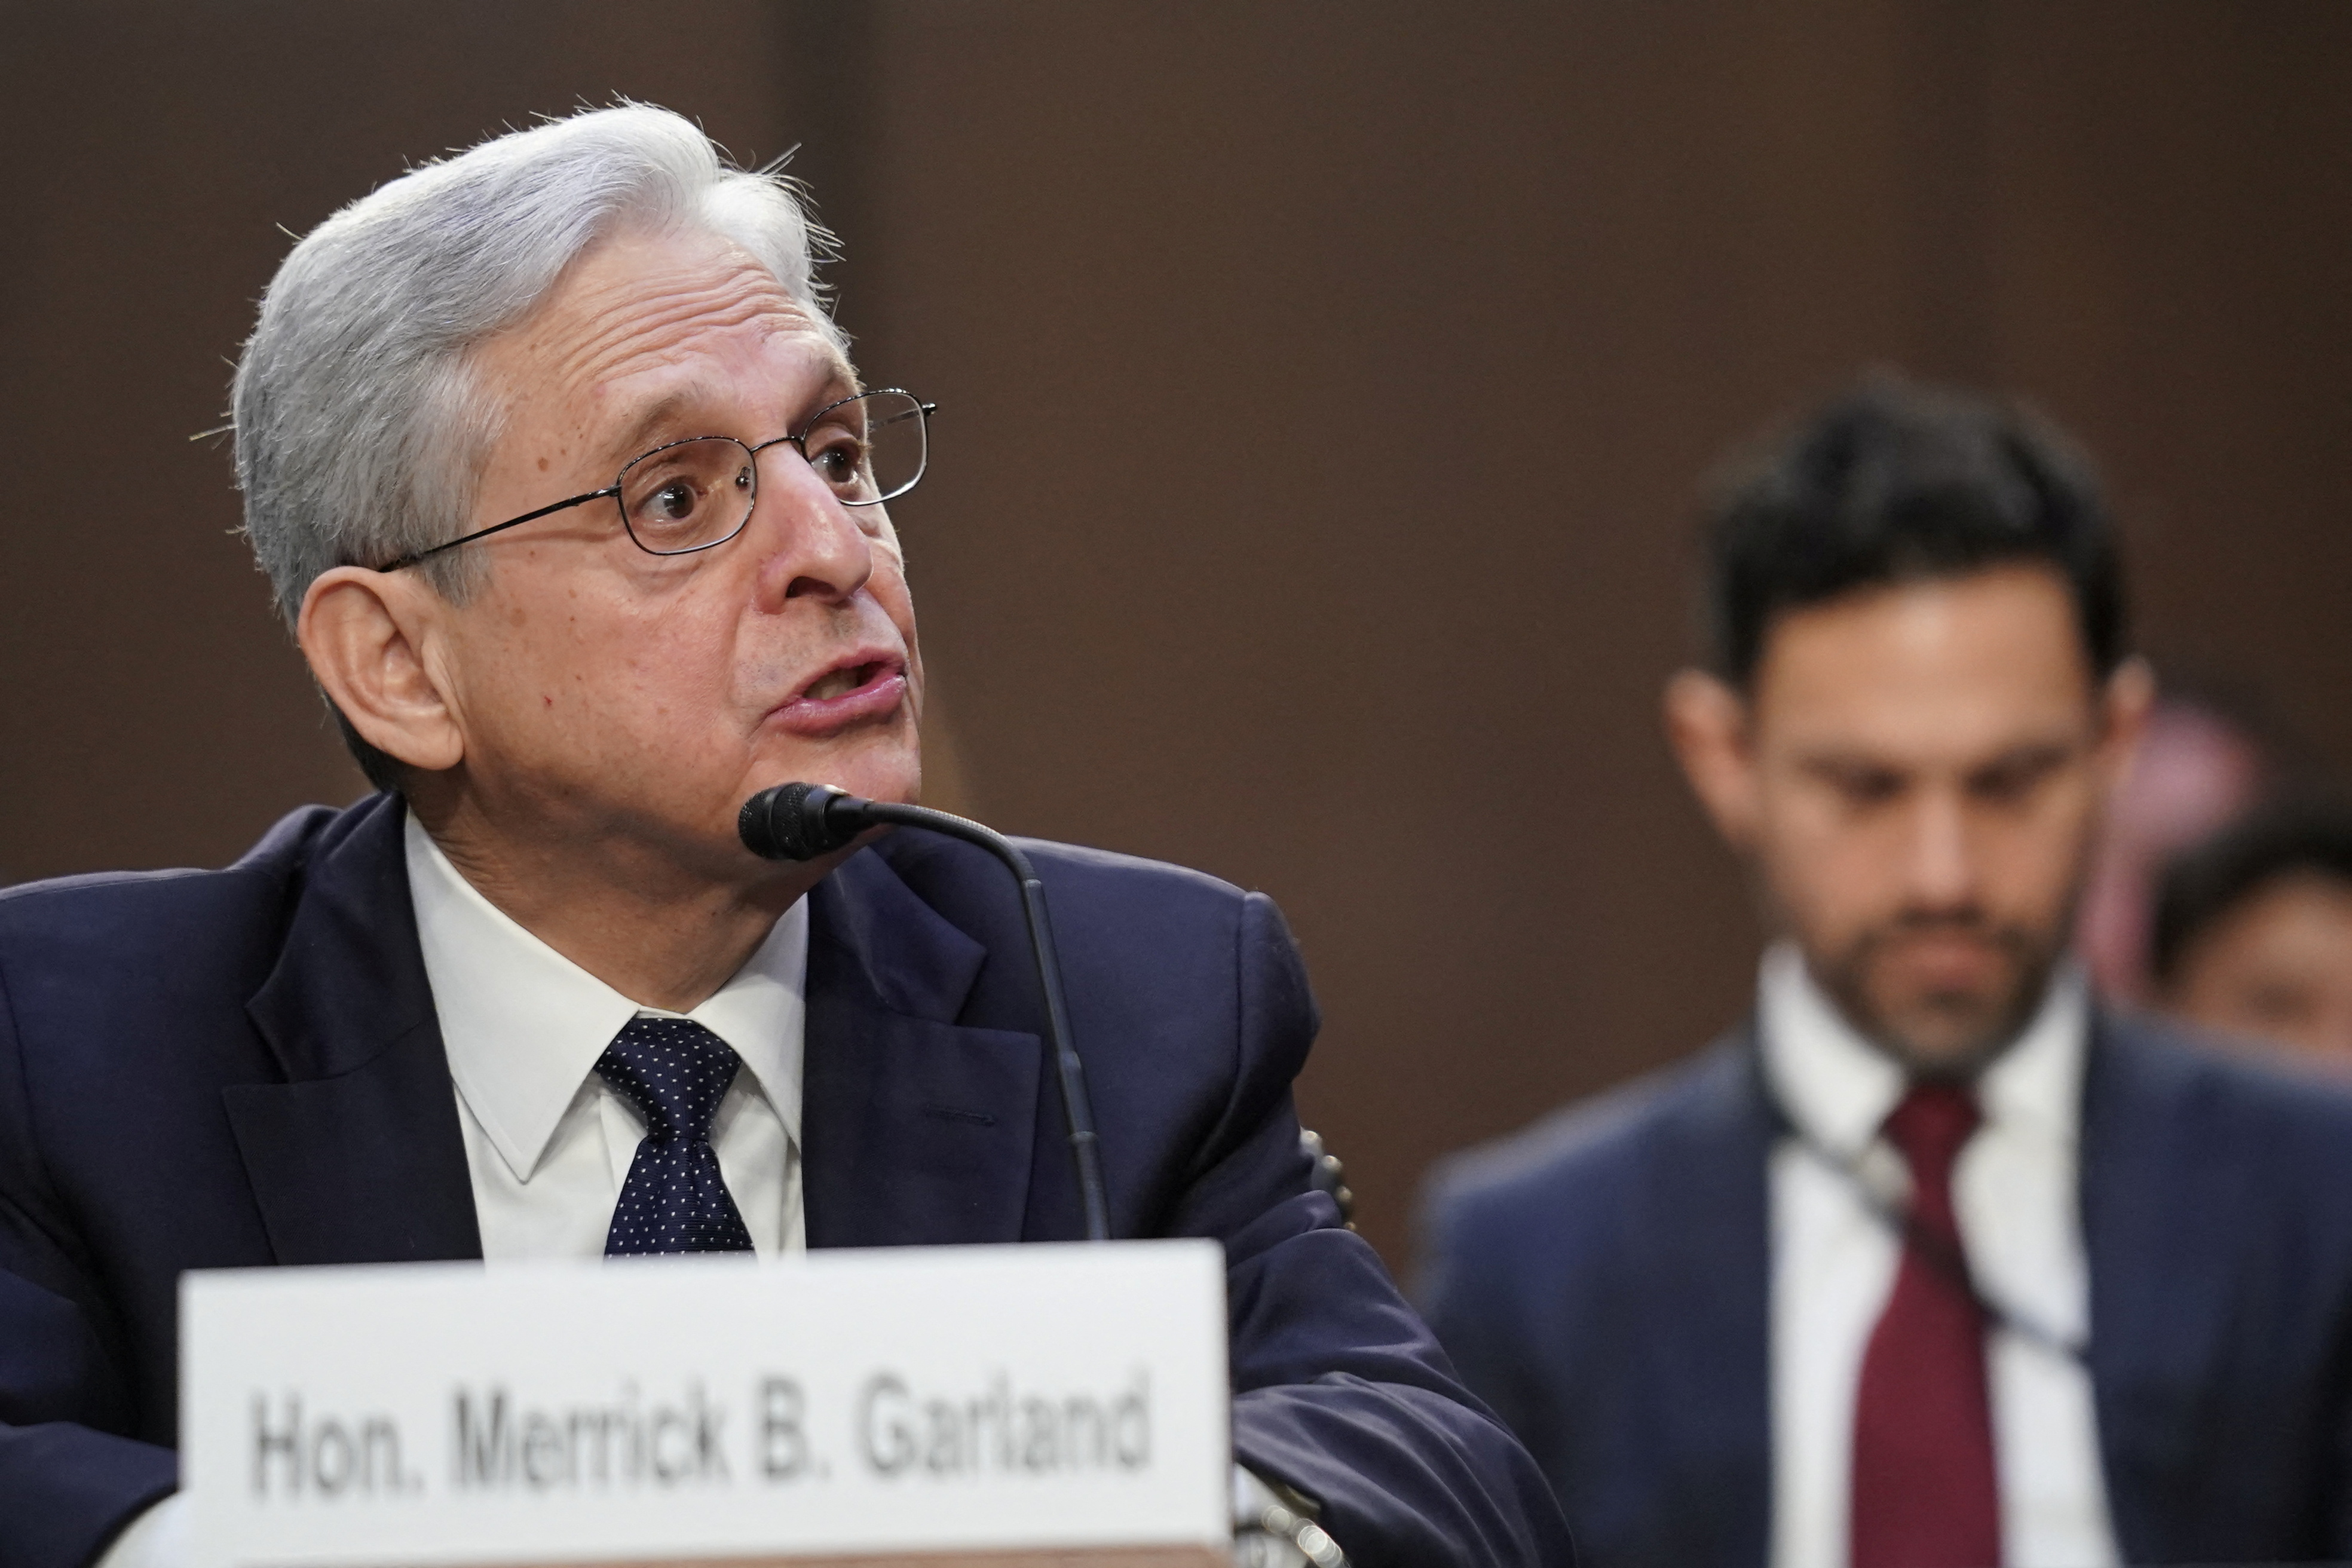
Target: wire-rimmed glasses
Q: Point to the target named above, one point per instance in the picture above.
(691, 495)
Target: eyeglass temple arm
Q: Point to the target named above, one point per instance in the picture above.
(412, 560)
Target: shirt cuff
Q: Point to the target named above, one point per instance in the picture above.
(156, 1539)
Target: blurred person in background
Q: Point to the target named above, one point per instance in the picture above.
(2203, 761)
(1932, 1263)
(2253, 932)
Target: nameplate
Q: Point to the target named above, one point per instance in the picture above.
(894, 1402)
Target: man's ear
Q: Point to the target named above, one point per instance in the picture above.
(1706, 724)
(364, 634)
(2125, 704)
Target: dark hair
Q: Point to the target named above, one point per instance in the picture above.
(2208, 880)
(1896, 481)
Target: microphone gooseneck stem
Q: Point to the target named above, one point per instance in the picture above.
(1077, 1108)
(804, 821)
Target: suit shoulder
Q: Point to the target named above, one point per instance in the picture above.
(117, 917)
(1105, 874)
(1080, 882)
(1592, 1145)
(2282, 1106)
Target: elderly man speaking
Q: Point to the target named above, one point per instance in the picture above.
(578, 510)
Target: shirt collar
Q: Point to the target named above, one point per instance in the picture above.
(1840, 1088)
(523, 1025)
(2036, 1085)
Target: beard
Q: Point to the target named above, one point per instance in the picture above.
(1941, 1027)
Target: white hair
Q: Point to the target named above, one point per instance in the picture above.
(360, 430)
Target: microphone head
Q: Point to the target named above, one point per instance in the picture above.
(793, 822)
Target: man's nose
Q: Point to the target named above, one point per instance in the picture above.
(1940, 867)
(810, 543)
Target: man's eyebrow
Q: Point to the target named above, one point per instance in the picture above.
(657, 421)
(1835, 760)
(2027, 756)
(842, 381)
(640, 436)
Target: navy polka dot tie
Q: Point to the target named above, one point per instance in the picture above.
(675, 1072)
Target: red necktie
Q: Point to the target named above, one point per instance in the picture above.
(1923, 1491)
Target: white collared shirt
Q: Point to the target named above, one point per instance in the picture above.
(547, 1144)
(2017, 1198)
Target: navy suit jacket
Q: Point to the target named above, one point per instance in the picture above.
(205, 1070)
(1604, 1280)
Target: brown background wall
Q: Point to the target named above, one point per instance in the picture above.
(1325, 389)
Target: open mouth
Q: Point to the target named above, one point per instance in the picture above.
(841, 682)
(847, 695)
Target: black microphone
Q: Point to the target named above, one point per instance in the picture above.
(803, 821)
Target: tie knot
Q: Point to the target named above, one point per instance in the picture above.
(1930, 1126)
(674, 1071)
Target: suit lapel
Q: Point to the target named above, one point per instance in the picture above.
(358, 1157)
(2162, 1186)
(915, 1128)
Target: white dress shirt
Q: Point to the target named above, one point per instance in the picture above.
(548, 1142)
(1834, 1264)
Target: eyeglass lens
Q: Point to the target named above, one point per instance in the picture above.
(691, 495)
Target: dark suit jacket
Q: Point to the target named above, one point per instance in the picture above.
(242, 1067)
(1602, 1280)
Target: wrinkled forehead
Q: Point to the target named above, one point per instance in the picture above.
(644, 330)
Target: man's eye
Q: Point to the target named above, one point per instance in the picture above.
(839, 461)
(2003, 787)
(2013, 782)
(674, 503)
(1870, 789)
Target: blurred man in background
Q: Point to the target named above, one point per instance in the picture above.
(1932, 1262)
(2253, 933)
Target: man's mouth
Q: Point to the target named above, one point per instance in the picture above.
(850, 693)
(842, 682)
